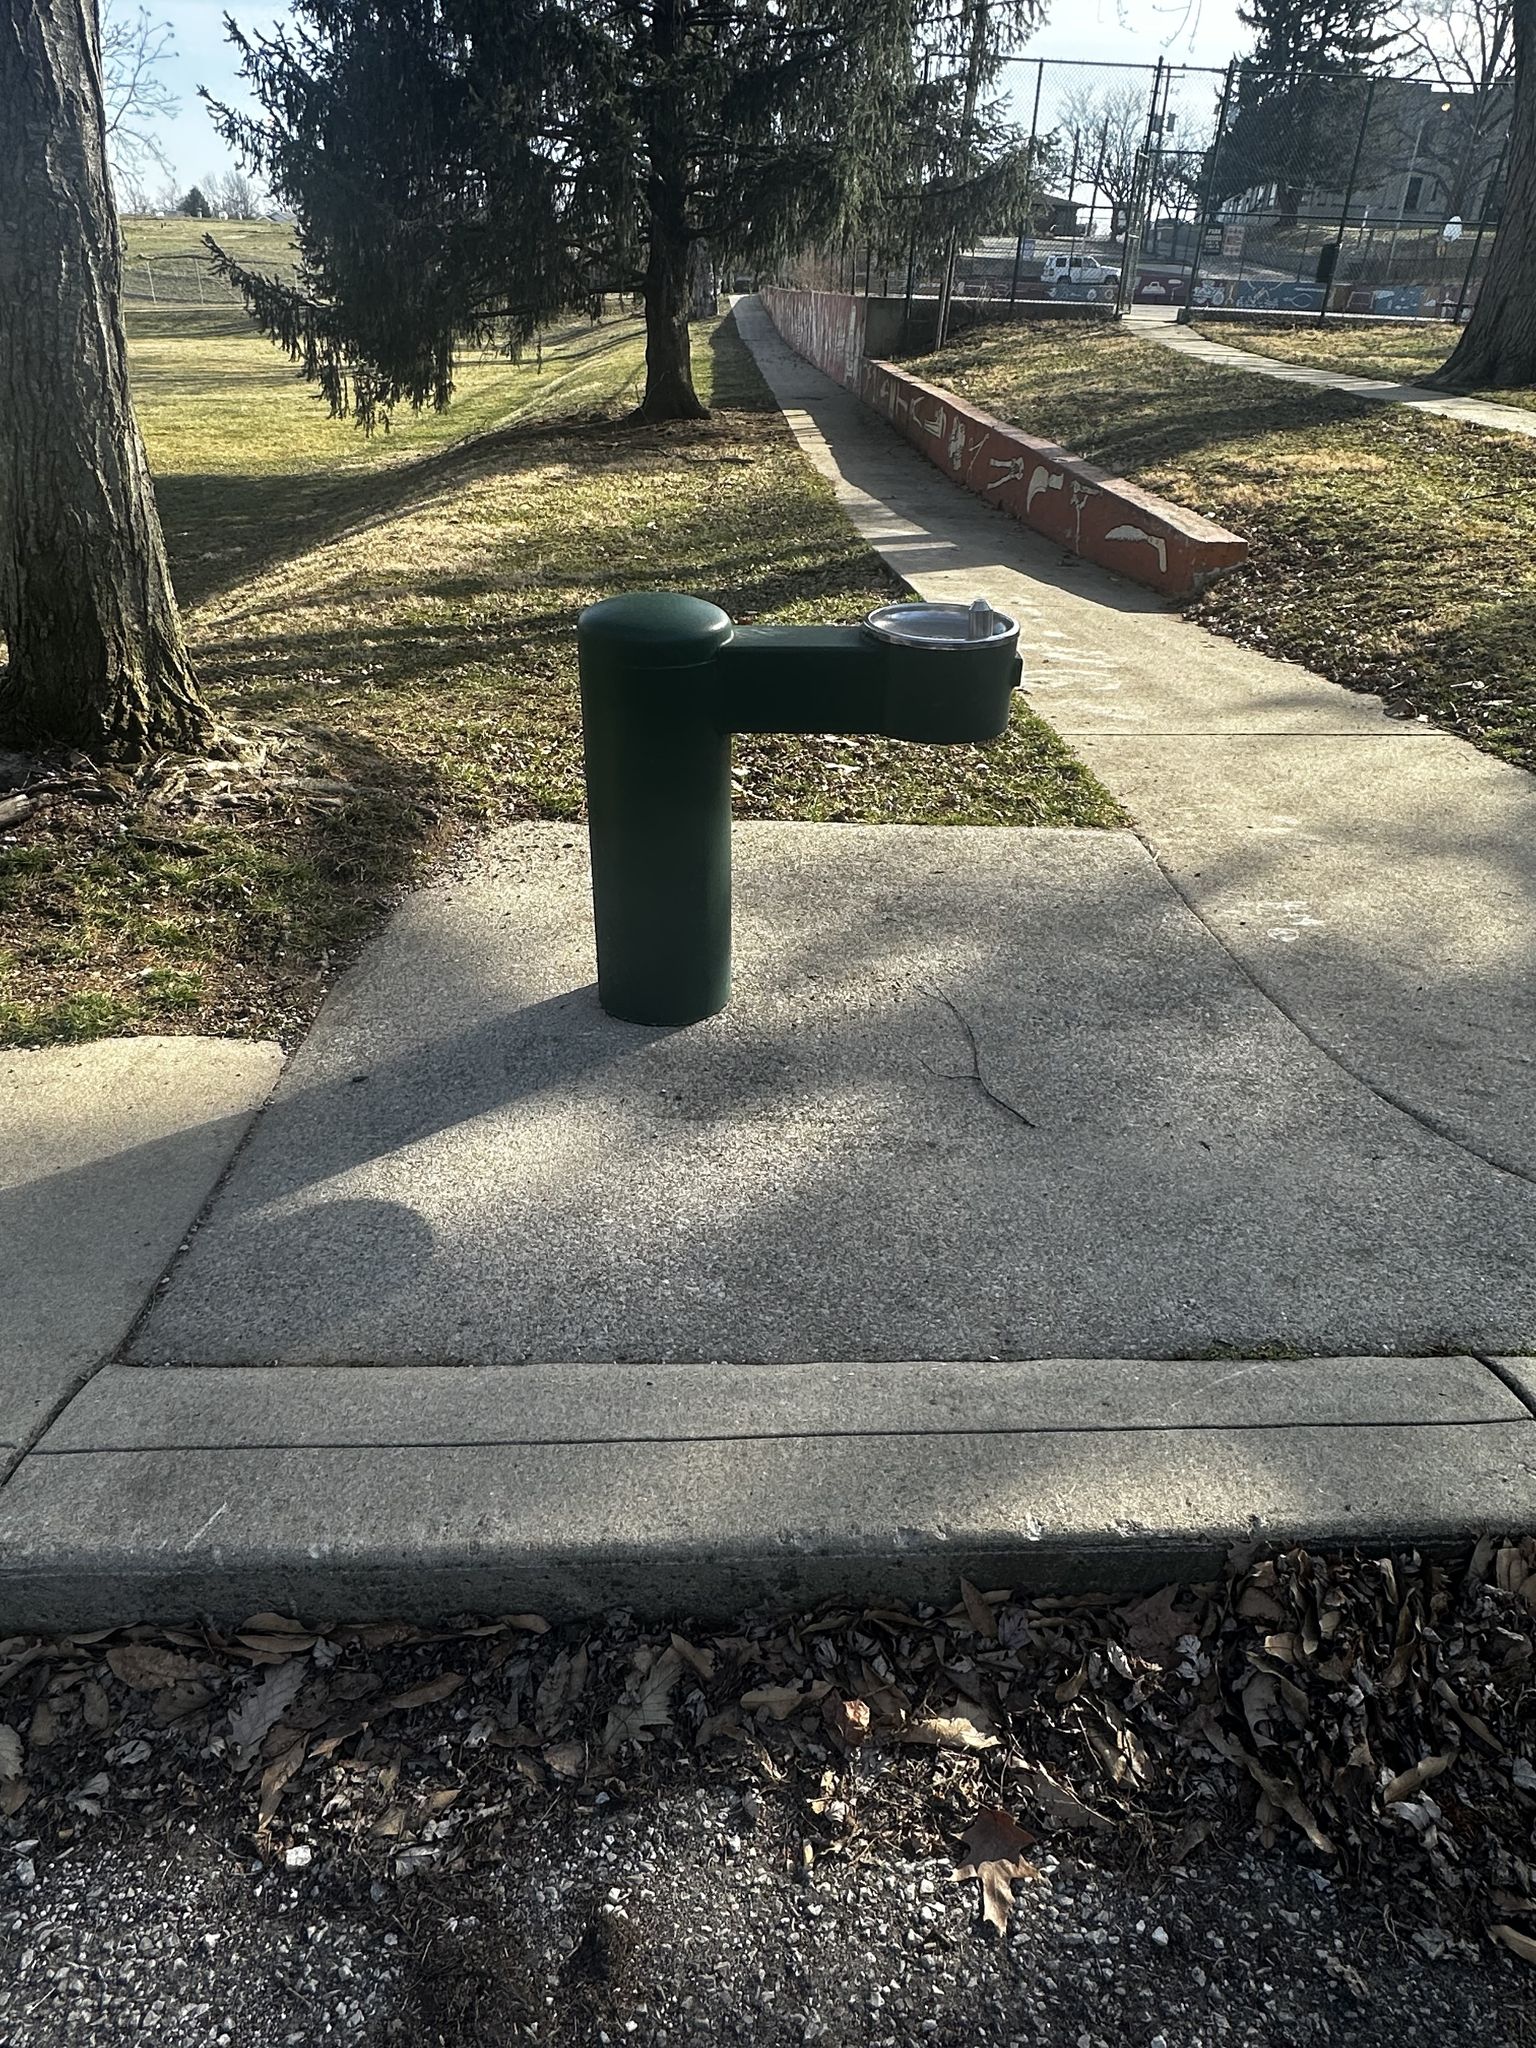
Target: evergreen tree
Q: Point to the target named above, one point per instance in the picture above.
(475, 167)
(195, 205)
(1300, 103)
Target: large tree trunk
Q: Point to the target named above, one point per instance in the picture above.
(86, 606)
(1497, 348)
(669, 392)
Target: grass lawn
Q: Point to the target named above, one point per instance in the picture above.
(388, 627)
(1354, 348)
(1392, 550)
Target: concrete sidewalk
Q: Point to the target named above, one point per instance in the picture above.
(1375, 878)
(1477, 412)
(107, 1153)
(955, 1245)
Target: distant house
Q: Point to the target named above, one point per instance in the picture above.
(1427, 154)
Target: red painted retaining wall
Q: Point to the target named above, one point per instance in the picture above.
(827, 328)
(1101, 517)
(1091, 513)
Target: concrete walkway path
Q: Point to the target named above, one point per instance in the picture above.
(1376, 878)
(1051, 1207)
(1479, 412)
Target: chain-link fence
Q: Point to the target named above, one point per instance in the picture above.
(1321, 192)
(187, 280)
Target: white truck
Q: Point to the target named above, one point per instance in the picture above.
(1101, 279)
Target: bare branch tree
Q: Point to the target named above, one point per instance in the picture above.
(233, 194)
(134, 47)
(1462, 44)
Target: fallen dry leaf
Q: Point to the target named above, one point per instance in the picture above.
(1406, 1783)
(647, 1699)
(979, 1610)
(700, 1661)
(848, 1720)
(782, 1700)
(994, 1846)
(178, 1702)
(426, 1695)
(561, 1686)
(10, 1751)
(275, 1646)
(146, 1668)
(566, 1759)
(272, 1624)
(1058, 1802)
(971, 1728)
(1289, 1801)
(264, 1706)
(273, 1779)
(1153, 1626)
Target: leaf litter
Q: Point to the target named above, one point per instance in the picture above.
(1368, 1714)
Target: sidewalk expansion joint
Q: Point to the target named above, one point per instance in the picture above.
(1288, 1426)
(1506, 1378)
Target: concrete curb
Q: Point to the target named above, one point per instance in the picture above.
(366, 1491)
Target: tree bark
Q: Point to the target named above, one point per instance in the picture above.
(1497, 348)
(669, 392)
(96, 656)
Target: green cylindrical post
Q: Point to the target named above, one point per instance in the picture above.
(658, 805)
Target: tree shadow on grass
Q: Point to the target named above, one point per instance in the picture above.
(225, 529)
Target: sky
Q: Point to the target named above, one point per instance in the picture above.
(1112, 31)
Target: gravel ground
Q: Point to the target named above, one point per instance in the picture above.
(1293, 1808)
(675, 1921)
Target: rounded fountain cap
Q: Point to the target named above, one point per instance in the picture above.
(977, 624)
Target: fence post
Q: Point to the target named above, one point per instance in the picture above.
(1141, 178)
(1210, 184)
(1034, 130)
(1349, 194)
(973, 64)
(149, 276)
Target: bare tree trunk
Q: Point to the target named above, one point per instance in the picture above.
(1498, 344)
(86, 606)
(669, 392)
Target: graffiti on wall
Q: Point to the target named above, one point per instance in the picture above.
(1102, 517)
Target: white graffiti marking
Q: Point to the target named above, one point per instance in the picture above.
(1042, 480)
(1009, 470)
(1153, 541)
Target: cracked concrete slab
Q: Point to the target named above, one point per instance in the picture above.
(107, 1153)
(467, 1162)
(1269, 794)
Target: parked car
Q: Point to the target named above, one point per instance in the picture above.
(1102, 279)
